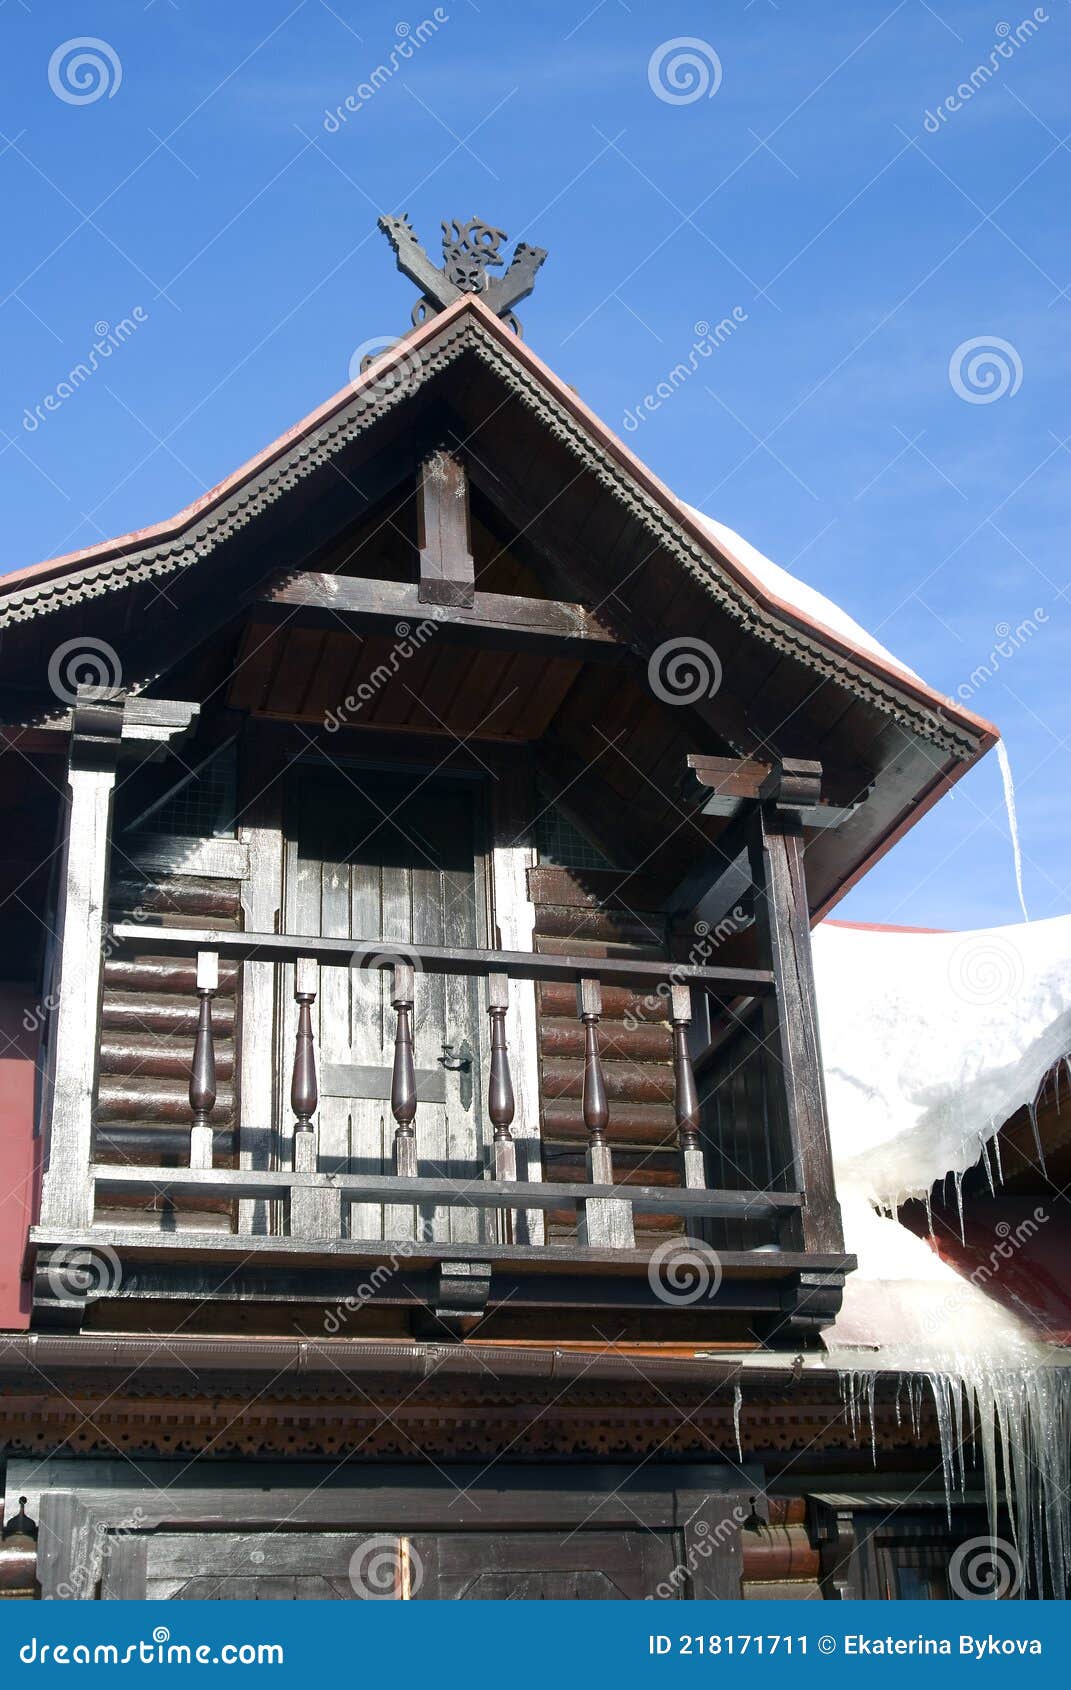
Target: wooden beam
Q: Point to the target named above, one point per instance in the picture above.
(479, 1194)
(433, 959)
(723, 785)
(447, 568)
(491, 620)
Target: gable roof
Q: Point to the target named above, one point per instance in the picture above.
(919, 742)
(30, 590)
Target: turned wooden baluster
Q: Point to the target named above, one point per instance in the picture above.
(501, 1105)
(314, 1212)
(693, 1171)
(203, 1071)
(606, 1221)
(403, 1090)
(304, 1095)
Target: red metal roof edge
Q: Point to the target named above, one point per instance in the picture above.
(881, 927)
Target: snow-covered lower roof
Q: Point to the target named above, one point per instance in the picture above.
(931, 1041)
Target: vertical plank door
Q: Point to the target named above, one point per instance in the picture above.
(389, 859)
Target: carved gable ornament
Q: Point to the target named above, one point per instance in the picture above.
(471, 251)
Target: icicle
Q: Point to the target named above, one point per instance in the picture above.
(1012, 1421)
(1013, 823)
(997, 1158)
(986, 1164)
(959, 1206)
(1033, 1111)
(738, 1399)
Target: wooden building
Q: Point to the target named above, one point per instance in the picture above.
(410, 857)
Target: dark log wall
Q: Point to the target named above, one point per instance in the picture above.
(779, 1561)
(149, 1020)
(599, 913)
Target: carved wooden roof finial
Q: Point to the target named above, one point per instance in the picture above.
(470, 251)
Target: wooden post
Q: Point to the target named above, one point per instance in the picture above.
(447, 570)
(403, 1090)
(606, 1222)
(686, 1097)
(74, 1037)
(790, 1016)
(203, 1070)
(500, 1101)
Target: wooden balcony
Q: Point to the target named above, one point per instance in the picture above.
(307, 1250)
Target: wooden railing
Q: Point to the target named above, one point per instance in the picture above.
(605, 1209)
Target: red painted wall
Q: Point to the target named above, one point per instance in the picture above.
(19, 1170)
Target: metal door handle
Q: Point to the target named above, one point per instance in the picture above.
(460, 1064)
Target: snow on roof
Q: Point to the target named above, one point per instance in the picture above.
(806, 599)
(931, 1041)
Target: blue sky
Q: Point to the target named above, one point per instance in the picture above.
(865, 242)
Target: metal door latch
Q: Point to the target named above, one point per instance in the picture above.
(460, 1064)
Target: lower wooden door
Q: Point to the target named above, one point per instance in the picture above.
(583, 1566)
(289, 1566)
